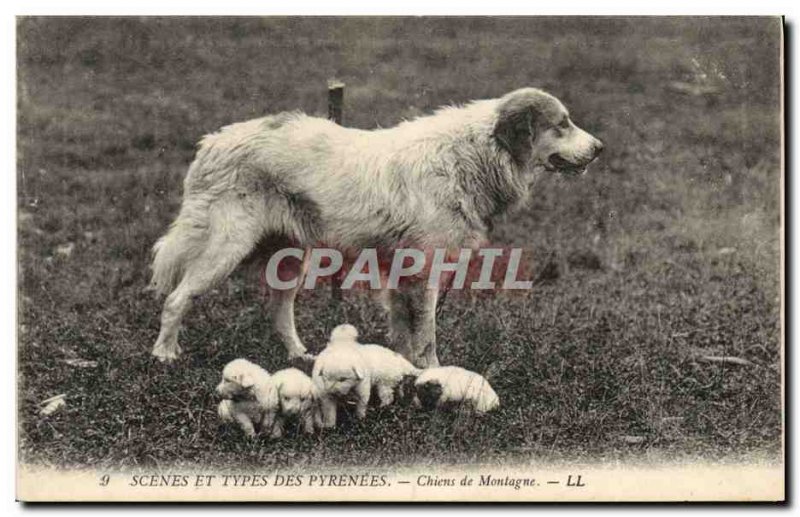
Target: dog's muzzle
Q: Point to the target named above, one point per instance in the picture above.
(565, 166)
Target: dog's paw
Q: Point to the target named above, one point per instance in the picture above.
(166, 355)
(303, 362)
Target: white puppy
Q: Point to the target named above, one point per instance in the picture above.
(248, 394)
(294, 396)
(446, 385)
(346, 370)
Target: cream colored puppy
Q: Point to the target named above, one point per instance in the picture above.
(294, 397)
(341, 375)
(248, 393)
(347, 369)
(446, 385)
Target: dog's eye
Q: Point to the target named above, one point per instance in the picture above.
(564, 124)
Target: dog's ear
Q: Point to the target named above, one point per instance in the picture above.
(515, 129)
(272, 395)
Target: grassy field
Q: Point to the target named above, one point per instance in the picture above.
(668, 251)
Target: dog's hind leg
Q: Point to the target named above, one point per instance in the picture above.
(412, 321)
(232, 235)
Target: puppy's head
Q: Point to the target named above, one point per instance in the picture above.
(238, 378)
(429, 393)
(406, 390)
(536, 130)
(295, 392)
(339, 377)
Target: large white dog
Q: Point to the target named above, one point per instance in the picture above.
(294, 180)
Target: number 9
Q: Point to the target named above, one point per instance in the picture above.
(104, 480)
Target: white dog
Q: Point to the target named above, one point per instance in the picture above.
(290, 180)
(346, 370)
(449, 385)
(295, 396)
(248, 393)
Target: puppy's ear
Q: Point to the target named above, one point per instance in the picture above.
(515, 130)
(272, 396)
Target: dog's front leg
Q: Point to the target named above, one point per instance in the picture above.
(281, 311)
(328, 410)
(363, 391)
(268, 420)
(385, 394)
(412, 320)
(277, 427)
(308, 421)
(246, 424)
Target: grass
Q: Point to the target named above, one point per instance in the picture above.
(666, 252)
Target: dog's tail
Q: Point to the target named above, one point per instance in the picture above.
(345, 332)
(185, 239)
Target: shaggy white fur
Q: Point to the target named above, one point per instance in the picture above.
(436, 181)
(446, 385)
(249, 395)
(295, 397)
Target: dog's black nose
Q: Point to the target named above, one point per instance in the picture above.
(598, 147)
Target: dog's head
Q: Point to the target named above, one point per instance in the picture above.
(337, 376)
(536, 130)
(238, 378)
(294, 392)
(429, 393)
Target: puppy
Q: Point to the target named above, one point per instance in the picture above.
(446, 385)
(248, 395)
(341, 375)
(294, 396)
(346, 370)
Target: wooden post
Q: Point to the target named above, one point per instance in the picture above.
(335, 100)
(335, 103)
